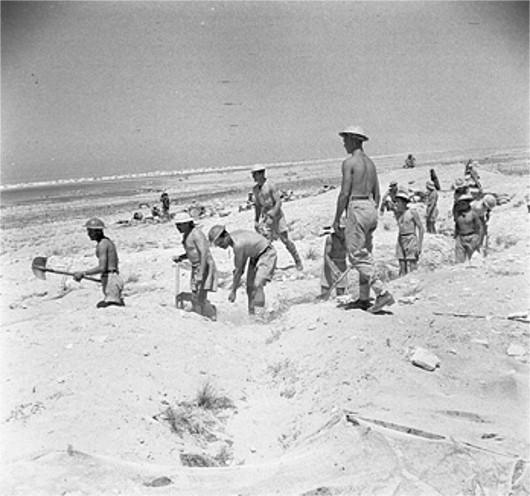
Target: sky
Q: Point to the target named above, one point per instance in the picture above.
(102, 88)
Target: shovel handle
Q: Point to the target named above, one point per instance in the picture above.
(327, 294)
(63, 272)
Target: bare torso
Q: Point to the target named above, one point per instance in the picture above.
(364, 180)
(106, 252)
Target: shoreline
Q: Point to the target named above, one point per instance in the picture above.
(227, 186)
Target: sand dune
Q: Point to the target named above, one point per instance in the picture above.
(319, 400)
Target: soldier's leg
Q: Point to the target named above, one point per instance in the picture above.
(291, 248)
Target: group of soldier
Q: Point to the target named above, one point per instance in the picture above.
(350, 237)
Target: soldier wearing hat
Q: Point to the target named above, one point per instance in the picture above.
(251, 247)
(468, 229)
(483, 208)
(334, 263)
(107, 255)
(389, 198)
(359, 197)
(203, 276)
(410, 234)
(432, 207)
(472, 176)
(269, 218)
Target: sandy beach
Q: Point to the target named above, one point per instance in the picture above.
(312, 400)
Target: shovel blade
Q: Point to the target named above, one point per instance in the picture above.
(39, 267)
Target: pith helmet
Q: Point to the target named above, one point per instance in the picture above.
(429, 185)
(465, 197)
(459, 183)
(403, 195)
(183, 218)
(94, 223)
(356, 131)
(258, 168)
(215, 232)
(490, 201)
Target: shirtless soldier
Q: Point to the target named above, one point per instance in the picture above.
(203, 277)
(359, 196)
(261, 256)
(112, 283)
(410, 235)
(269, 217)
(468, 229)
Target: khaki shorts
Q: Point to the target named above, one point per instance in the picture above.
(261, 269)
(112, 287)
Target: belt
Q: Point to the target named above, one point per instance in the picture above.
(467, 234)
(264, 251)
(365, 197)
(113, 271)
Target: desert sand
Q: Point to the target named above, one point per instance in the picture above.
(311, 400)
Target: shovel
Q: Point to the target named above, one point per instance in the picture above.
(39, 269)
(325, 296)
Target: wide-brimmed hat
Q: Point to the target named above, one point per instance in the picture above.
(257, 168)
(215, 232)
(183, 218)
(459, 183)
(356, 131)
(465, 197)
(393, 183)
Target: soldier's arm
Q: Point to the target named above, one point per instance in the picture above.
(276, 201)
(257, 205)
(239, 268)
(345, 188)
(421, 230)
(376, 192)
(103, 257)
(202, 247)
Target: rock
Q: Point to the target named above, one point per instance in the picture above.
(483, 342)
(516, 350)
(159, 482)
(425, 359)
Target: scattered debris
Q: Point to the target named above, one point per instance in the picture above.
(159, 482)
(425, 359)
(516, 350)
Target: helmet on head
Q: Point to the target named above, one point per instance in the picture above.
(490, 201)
(183, 218)
(403, 195)
(257, 168)
(215, 232)
(357, 131)
(94, 223)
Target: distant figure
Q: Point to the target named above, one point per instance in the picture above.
(472, 176)
(261, 256)
(269, 218)
(410, 162)
(389, 199)
(155, 212)
(107, 255)
(359, 196)
(203, 276)
(432, 207)
(410, 235)
(334, 264)
(434, 179)
(483, 209)
(164, 198)
(468, 229)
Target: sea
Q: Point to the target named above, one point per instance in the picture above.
(128, 185)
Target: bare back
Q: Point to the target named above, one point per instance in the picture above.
(360, 175)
